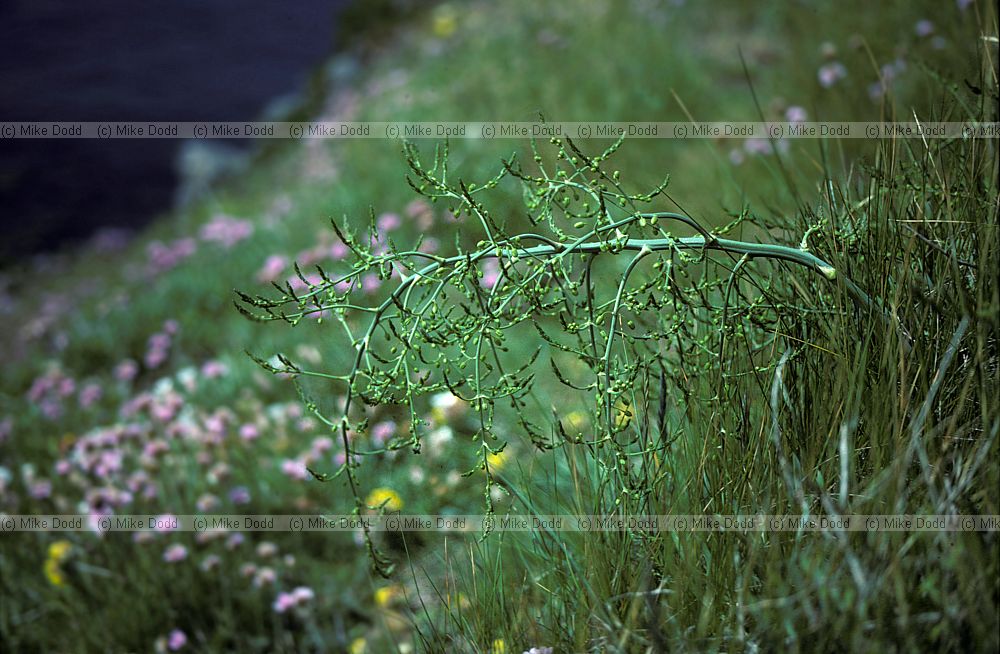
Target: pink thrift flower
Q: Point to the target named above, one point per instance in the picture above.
(312, 279)
(370, 283)
(830, 74)
(382, 431)
(213, 369)
(338, 251)
(165, 523)
(249, 432)
(155, 448)
(757, 146)
(308, 257)
(185, 247)
(175, 553)
(226, 230)
(162, 411)
(796, 114)
(95, 522)
(322, 444)
(283, 602)
(418, 208)
(40, 489)
(163, 257)
(66, 387)
(159, 341)
(273, 266)
(126, 370)
(176, 640)
(39, 388)
(215, 424)
(388, 222)
(264, 577)
(491, 274)
(109, 462)
(207, 502)
(89, 395)
(51, 409)
(266, 550)
(239, 495)
(294, 469)
(303, 594)
(155, 357)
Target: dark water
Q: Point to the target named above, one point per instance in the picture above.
(171, 60)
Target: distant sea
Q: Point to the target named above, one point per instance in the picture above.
(169, 60)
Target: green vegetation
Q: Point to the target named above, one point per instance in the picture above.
(682, 356)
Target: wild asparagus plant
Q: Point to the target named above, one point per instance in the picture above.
(652, 312)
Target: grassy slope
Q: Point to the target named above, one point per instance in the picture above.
(594, 61)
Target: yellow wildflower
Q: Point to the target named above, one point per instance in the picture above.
(358, 646)
(445, 21)
(499, 647)
(387, 497)
(497, 461)
(57, 553)
(386, 595)
(54, 573)
(59, 550)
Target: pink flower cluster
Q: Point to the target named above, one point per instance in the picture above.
(831, 73)
(298, 597)
(317, 455)
(226, 231)
(381, 432)
(491, 273)
(327, 250)
(175, 553)
(126, 370)
(49, 390)
(164, 256)
(763, 147)
(176, 640)
(158, 347)
(272, 269)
